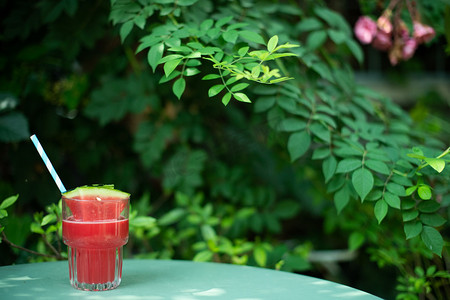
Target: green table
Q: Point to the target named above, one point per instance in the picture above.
(173, 280)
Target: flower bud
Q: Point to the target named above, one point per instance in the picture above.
(409, 48)
(384, 24)
(423, 33)
(382, 41)
(365, 29)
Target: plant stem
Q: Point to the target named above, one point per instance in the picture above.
(438, 157)
(4, 238)
(57, 254)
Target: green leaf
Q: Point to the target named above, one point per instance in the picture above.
(436, 163)
(346, 151)
(203, 256)
(417, 153)
(213, 33)
(356, 50)
(125, 30)
(172, 76)
(374, 195)
(154, 55)
(252, 36)
(316, 39)
(170, 66)
(410, 190)
(348, 164)
(432, 239)
(323, 70)
(206, 24)
(335, 183)
(321, 153)
(334, 19)
(298, 144)
(362, 180)
(242, 51)
(223, 21)
(36, 228)
(432, 270)
(355, 240)
(341, 198)
(231, 80)
(171, 217)
(178, 87)
(148, 41)
(256, 70)
(241, 97)
(211, 77)
(191, 72)
(237, 25)
(215, 89)
(338, 37)
(239, 87)
(329, 167)
(226, 98)
(377, 166)
(230, 36)
(432, 219)
(428, 206)
(319, 130)
(396, 189)
(264, 103)
(424, 192)
(260, 256)
(48, 219)
(380, 210)
(142, 222)
(208, 233)
(412, 229)
(309, 24)
(8, 201)
(291, 124)
(392, 200)
(169, 58)
(186, 2)
(408, 203)
(3, 214)
(272, 44)
(140, 21)
(409, 215)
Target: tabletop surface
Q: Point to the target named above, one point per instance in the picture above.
(173, 280)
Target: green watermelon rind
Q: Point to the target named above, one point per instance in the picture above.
(102, 191)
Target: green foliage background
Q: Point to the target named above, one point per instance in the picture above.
(151, 96)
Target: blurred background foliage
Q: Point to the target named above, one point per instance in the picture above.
(224, 184)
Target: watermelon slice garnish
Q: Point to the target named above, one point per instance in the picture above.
(96, 203)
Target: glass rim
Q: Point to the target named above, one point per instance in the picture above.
(99, 199)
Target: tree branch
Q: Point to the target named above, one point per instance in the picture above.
(5, 239)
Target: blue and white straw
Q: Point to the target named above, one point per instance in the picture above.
(47, 163)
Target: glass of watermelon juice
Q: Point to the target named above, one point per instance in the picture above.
(95, 228)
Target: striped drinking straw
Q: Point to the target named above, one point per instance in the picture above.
(47, 163)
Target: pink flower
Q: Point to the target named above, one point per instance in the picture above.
(384, 24)
(409, 48)
(423, 33)
(382, 41)
(365, 29)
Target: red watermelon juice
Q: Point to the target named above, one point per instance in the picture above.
(95, 228)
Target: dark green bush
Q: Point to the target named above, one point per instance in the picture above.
(316, 162)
